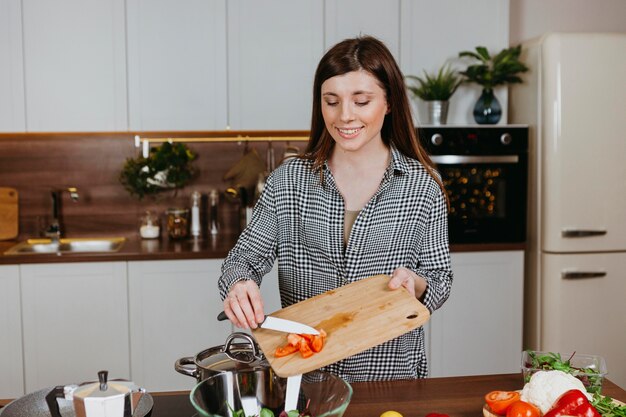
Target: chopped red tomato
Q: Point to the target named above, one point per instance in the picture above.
(317, 343)
(305, 349)
(288, 349)
(306, 344)
(499, 401)
(294, 339)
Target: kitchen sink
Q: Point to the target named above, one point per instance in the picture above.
(74, 245)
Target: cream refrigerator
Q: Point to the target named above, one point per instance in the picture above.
(574, 99)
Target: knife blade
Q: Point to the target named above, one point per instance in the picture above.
(281, 325)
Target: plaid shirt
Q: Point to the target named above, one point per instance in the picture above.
(299, 220)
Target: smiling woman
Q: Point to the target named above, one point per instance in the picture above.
(362, 200)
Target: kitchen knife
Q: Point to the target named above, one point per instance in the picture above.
(281, 325)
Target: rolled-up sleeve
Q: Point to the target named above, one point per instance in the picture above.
(434, 257)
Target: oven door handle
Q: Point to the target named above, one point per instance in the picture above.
(474, 159)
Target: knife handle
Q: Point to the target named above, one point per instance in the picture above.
(222, 316)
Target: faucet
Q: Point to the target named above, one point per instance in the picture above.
(55, 230)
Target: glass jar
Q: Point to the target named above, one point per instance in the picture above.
(149, 227)
(177, 222)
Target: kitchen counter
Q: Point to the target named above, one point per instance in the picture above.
(212, 247)
(455, 396)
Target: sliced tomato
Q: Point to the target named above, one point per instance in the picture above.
(305, 349)
(288, 349)
(294, 339)
(522, 409)
(499, 401)
(317, 344)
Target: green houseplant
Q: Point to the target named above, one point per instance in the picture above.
(167, 167)
(489, 72)
(436, 89)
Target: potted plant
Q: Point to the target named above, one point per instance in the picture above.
(491, 71)
(436, 90)
(167, 167)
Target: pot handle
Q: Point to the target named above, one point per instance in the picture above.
(182, 369)
(243, 357)
(51, 400)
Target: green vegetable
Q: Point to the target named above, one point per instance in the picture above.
(553, 361)
(607, 407)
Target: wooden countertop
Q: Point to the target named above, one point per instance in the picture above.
(211, 247)
(455, 396)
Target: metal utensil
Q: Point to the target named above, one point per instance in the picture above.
(281, 325)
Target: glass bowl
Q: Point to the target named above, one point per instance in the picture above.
(590, 369)
(229, 393)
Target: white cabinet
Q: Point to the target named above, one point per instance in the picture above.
(434, 31)
(479, 329)
(273, 49)
(349, 18)
(177, 65)
(173, 314)
(75, 322)
(12, 114)
(11, 362)
(75, 65)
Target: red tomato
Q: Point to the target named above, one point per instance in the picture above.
(285, 350)
(305, 349)
(499, 401)
(522, 409)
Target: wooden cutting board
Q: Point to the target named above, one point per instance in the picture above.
(8, 213)
(356, 317)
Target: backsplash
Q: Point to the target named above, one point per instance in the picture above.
(36, 164)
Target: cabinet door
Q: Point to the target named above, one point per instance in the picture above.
(479, 329)
(349, 18)
(173, 314)
(75, 65)
(11, 362)
(177, 65)
(75, 322)
(11, 68)
(435, 31)
(271, 62)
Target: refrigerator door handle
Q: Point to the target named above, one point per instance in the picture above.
(582, 274)
(582, 233)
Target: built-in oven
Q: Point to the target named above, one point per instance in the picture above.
(484, 170)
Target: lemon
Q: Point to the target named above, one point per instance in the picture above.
(391, 414)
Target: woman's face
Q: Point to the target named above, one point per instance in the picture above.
(354, 106)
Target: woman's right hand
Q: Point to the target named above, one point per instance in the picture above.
(244, 305)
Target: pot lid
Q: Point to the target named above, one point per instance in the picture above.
(232, 356)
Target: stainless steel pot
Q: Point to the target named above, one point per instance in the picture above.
(232, 357)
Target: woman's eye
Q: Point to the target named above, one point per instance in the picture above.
(362, 103)
(332, 103)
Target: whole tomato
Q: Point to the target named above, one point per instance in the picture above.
(522, 409)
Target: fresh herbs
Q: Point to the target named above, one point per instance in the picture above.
(553, 361)
(607, 407)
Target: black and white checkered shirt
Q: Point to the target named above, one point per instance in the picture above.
(299, 220)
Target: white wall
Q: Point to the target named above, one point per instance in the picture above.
(532, 18)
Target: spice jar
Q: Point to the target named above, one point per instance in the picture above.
(149, 226)
(177, 222)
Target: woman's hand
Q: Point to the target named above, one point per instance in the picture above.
(404, 277)
(244, 305)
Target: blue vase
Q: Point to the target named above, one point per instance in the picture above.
(487, 110)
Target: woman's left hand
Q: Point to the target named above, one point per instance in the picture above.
(404, 277)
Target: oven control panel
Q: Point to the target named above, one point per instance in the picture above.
(446, 140)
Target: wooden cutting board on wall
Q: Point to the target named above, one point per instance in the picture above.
(356, 317)
(8, 213)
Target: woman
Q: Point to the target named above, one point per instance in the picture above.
(363, 200)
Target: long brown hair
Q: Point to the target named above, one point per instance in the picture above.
(369, 54)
